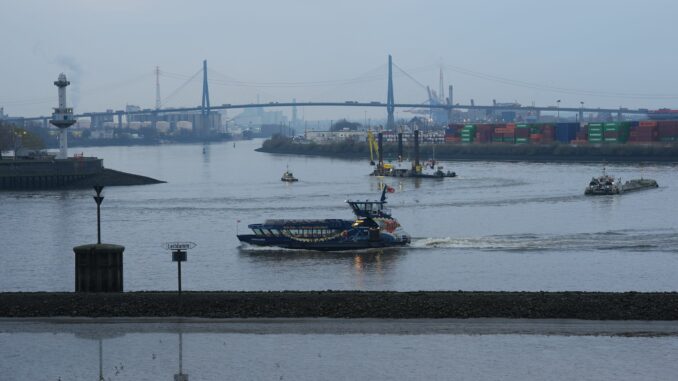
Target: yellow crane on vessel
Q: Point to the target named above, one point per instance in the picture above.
(374, 147)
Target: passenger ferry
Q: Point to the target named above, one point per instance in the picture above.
(374, 227)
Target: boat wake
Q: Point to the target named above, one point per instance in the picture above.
(617, 240)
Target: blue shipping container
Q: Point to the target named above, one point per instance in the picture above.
(566, 132)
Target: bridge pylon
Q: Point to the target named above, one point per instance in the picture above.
(205, 107)
(390, 103)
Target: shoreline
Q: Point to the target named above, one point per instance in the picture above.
(660, 160)
(116, 327)
(346, 304)
(618, 153)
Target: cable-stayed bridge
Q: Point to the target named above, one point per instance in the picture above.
(434, 102)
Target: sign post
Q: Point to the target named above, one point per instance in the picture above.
(179, 254)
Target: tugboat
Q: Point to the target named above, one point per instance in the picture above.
(603, 185)
(288, 176)
(374, 227)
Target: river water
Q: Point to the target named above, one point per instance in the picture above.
(498, 226)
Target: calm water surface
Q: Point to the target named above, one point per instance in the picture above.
(149, 351)
(499, 226)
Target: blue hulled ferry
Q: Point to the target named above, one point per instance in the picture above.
(373, 228)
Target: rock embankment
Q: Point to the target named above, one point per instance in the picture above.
(347, 304)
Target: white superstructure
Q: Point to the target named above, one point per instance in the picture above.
(62, 116)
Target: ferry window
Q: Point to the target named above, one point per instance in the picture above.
(257, 231)
(275, 232)
(267, 232)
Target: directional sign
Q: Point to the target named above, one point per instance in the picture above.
(179, 245)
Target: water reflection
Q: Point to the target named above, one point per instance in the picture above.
(363, 257)
(100, 334)
(99, 337)
(181, 376)
(206, 153)
(334, 349)
(363, 267)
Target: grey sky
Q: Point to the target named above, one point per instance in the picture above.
(109, 49)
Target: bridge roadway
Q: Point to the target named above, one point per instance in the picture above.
(345, 104)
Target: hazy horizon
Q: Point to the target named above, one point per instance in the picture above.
(600, 53)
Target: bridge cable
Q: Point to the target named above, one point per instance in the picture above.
(556, 89)
(181, 87)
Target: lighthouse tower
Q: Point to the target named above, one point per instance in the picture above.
(62, 116)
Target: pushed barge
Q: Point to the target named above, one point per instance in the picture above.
(374, 227)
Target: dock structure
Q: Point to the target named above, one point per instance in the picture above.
(47, 173)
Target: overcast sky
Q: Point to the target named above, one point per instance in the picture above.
(606, 53)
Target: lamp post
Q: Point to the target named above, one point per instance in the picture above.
(558, 112)
(581, 111)
(98, 199)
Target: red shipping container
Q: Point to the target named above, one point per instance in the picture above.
(647, 123)
(667, 123)
(667, 131)
(522, 132)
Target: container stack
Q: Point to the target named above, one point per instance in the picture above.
(595, 133)
(615, 132)
(522, 134)
(563, 133)
(506, 134)
(452, 133)
(667, 130)
(567, 132)
(581, 137)
(484, 133)
(468, 133)
(645, 132)
(548, 132)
